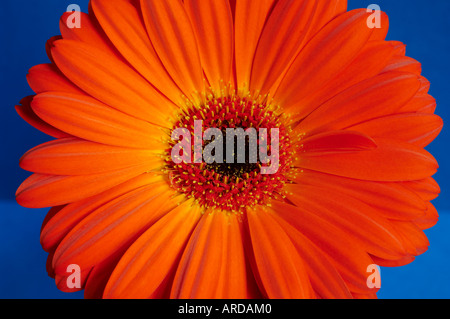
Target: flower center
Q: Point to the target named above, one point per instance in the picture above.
(236, 153)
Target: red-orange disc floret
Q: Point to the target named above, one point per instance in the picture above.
(232, 187)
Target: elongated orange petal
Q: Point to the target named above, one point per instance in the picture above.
(428, 189)
(337, 141)
(404, 64)
(391, 200)
(424, 85)
(62, 284)
(400, 48)
(93, 277)
(123, 24)
(415, 128)
(421, 103)
(277, 262)
(111, 81)
(393, 263)
(325, 279)
(379, 31)
(430, 219)
(88, 32)
(344, 38)
(347, 256)
(110, 230)
(40, 191)
(249, 21)
(173, 38)
(49, 46)
(47, 77)
(375, 97)
(325, 12)
(281, 40)
(26, 112)
(413, 238)
(87, 118)
(51, 213)
(98, 278)
(68, 217)
(360, 221)
(152, 259)
(391, 161)
(72, 156)
(212, 22)
(358, 71)
(214, 263)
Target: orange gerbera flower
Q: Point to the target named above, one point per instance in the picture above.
(353, 187)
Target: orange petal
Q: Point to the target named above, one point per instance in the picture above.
(430, 219)
(400, 48)
(173, 38)
(214, 263)
(49, 46)
(149, 264)
(415, 128)
(391, 161)
(212, 22)
(51, 213)
(322, 13)
(360, 221)
(413, 238)
(348, 256)
(423, 103)
(428, 189)
(47, 77)
(280, 269)
(380, 32)
(89, 119)
(61, 282)
(393, 263)
(111, 81)
(378, 96)
(391, 200)
(424, 85)
(26, 112)
(404, 64)
(337, 141)
(40, 191)
(325, 12)
(98, 277)
(67, 218)
(72, 156)
(249, 21)
(108, 232)
(325, 279)
(326, 55)
(358, 71)
(89, 33)
(124, 26)
(281, 40)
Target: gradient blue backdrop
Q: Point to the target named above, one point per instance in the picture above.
(25, 26)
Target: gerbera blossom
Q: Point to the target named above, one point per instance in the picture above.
(354, 182)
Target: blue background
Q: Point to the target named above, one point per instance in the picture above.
(25, 27)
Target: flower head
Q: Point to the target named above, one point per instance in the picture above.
(352, 182)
